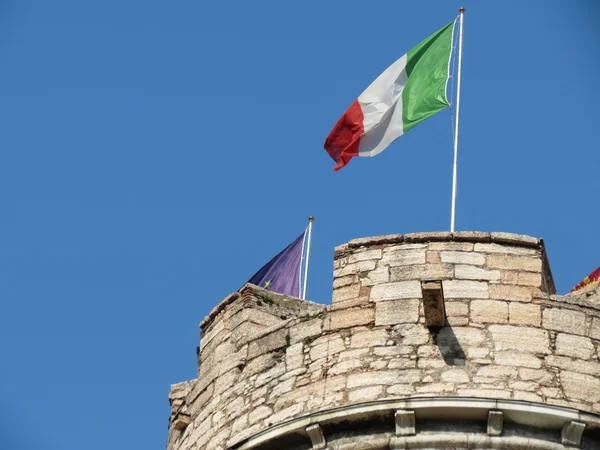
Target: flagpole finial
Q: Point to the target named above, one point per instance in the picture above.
(461, 9)
(311, 218)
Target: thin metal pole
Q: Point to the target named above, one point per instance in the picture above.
(454, 170)
(310, 222)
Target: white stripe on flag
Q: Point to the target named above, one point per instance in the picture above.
(381, 104)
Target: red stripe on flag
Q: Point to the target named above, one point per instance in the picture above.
(343, 141)
(592, 278)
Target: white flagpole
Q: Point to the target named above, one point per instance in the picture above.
(454, 171)
(310, 222)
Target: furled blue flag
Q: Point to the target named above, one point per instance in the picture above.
(282, 273)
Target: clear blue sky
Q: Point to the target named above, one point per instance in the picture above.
(153, 155)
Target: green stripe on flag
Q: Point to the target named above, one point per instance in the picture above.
(427, 67)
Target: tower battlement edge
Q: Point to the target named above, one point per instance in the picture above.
(432, 340)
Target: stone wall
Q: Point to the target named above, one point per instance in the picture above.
(266, 358)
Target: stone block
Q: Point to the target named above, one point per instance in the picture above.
(259, 413)
(287, 413)
(515, 239)
(527, 396)
(524, 339)
(551, 392)
(422, 272)
(403, 257)
(456, 376)
(475, 273)
(477, 352)
(530, 279)
(402, 363)
(326, 346)
(466, 337)
(571, 433)
(471, 236)
(355, 354)
(384, 378)
(271, 374)
(393, 248)
(365, 394)
(457, 308)
(467, 258)
(396, 291)
(435, 388)
(405, 422)
(428, 236)
(352, 303)
(345, 366)
(294, 356)
(369, 337)
(412, 334)
(451, 246)
(393, 312)
(495, 423)
(431, 363)
(465, 289)
(595, 328)
(346, 293)
(561, 319)
(580, 386)
(259, 364)
(377, 276)
(489, 393)
(510, 292)
(305, 329)
(364, 255)
(282, 387)
(358, 267)
(575, 346)
(511, 276)
(394, 350)
(340, 251)
(317, 438)
(268, 343)
(540, 375)
(505, 249)
(344, 281)
(526, 386)
(512, 358)
(253, 316)
(497, 372)
(510, 262)
(489, 311)
(591, 367)
(400, 390)
(524, 314)
(433, 257)
(348, 318)
(226, 381)
(457, 321)
(376, 240)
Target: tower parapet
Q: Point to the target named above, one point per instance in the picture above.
(432, 340)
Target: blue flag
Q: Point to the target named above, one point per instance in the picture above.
(282, 273)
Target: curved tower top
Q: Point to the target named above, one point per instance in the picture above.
(432, 340)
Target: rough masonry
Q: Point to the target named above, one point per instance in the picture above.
(508, 345)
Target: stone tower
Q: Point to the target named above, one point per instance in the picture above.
(432, 341)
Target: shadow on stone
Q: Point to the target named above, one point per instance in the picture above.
(450, 348)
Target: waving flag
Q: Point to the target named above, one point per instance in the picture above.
(282, 273)
(408, 92)
(592, 278)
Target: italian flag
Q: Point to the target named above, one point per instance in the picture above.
(408, 92)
